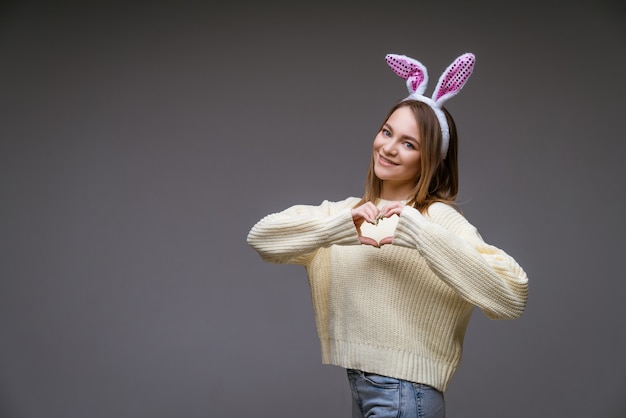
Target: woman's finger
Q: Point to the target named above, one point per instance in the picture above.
(392, 209)
(386, 240)
(368, 241)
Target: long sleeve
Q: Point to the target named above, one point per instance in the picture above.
(293, 235)
(481, 273)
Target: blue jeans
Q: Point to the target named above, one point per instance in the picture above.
(379, 396)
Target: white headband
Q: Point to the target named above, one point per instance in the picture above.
(450, 83)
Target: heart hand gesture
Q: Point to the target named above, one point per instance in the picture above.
(368, 212)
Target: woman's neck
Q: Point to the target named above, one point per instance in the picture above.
(398, 193)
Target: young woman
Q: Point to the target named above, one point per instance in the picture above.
(395, 275)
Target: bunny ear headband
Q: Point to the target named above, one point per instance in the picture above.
(450, 83)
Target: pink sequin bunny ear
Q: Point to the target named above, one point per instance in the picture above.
(454, 78)
(411, 70)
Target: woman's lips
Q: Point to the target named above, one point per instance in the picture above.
(385, 161)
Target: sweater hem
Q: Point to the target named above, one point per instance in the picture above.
(391, 362)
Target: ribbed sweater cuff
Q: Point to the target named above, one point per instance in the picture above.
(340, 229)
(410, 223)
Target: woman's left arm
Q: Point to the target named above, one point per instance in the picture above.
(481, 273)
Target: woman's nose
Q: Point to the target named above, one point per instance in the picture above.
(390, 148)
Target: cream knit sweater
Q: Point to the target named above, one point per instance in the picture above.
(400, 310)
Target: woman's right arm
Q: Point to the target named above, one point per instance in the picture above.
(295, 234)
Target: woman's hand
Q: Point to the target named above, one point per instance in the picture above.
(368, 212)
(387, 211)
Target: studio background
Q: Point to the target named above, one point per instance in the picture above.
(140, 141)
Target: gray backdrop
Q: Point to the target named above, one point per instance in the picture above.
(141, 141)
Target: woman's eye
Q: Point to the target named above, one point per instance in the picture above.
(409, 145)
(386, 132)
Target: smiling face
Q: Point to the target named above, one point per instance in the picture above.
(407, 163)
(396, 153)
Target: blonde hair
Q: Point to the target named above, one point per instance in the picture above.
(438, 180)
